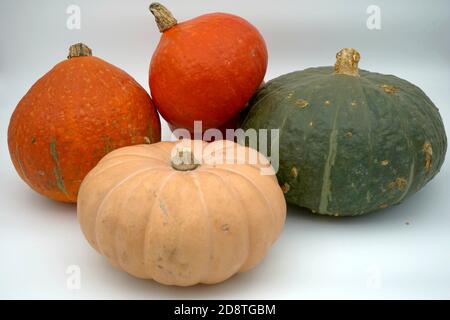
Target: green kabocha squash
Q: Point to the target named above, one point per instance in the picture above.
(350, 141)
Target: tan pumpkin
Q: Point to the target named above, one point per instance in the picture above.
(157, 215)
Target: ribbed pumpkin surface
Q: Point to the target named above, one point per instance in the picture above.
(350, 144)
(181, 227)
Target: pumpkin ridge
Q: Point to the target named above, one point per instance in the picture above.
(134, 155)
(332, 151)
(406, 134)
(110, 192)
(370, 164)
(237, 194)
(306, 94)
(147, 271)
(412, 157)
(314, 110)
(98, 213)
(252, 166)
(417, 93)
(107, 159)
(377, 110)
(117, 257)
(276, 224)
(389, 104)
(269, 204)
(370, 168)
(432, 112)
(163, 151)
(222, 149)
(194, 178)
(411, 98)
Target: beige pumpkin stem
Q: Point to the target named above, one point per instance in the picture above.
(184, 160)
(79, 50)
(163, 17)
(347, 62)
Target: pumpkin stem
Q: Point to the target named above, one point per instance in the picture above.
(79, 50)
(163, 17)
(347, 62)
(184, 160)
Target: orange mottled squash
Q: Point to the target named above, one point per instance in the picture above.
(71, 117)
(205, 69)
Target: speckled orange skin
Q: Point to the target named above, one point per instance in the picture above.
(71, 117)
(207, 69)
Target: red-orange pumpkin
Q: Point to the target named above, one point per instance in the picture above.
(206, 68)
(230, 124)
(71, 117)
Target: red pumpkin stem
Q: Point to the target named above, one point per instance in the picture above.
(79, 50)
(163, 17)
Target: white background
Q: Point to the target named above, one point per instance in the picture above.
(401, 252)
